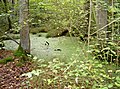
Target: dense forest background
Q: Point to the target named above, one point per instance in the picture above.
(94, 23)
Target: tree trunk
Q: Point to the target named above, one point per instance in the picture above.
(24, 26)
(101, 17)
(8, 17)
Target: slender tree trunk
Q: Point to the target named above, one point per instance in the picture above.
(24, 26)
(8, 17)
(89, 26)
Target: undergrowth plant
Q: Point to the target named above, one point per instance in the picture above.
(106, 51)
(75, 74)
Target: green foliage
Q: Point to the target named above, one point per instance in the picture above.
(54, 16)
(117, 83)
(57, 15)
(107, 51)
(5, 60)
(75, 74)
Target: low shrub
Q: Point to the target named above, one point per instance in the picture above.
(107, 51)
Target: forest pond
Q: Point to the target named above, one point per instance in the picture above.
(49, 48)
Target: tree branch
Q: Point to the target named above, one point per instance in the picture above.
(10, 37)
(105, 26)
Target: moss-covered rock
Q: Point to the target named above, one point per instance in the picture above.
(57, 33)
(36, 30)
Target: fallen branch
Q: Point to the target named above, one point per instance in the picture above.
(10, 37)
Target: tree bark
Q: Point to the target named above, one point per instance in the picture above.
(24, 26)
(101, 17)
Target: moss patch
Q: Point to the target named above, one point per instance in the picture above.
(19, 52)
(5, 60)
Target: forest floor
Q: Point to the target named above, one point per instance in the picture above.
(10, 73)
